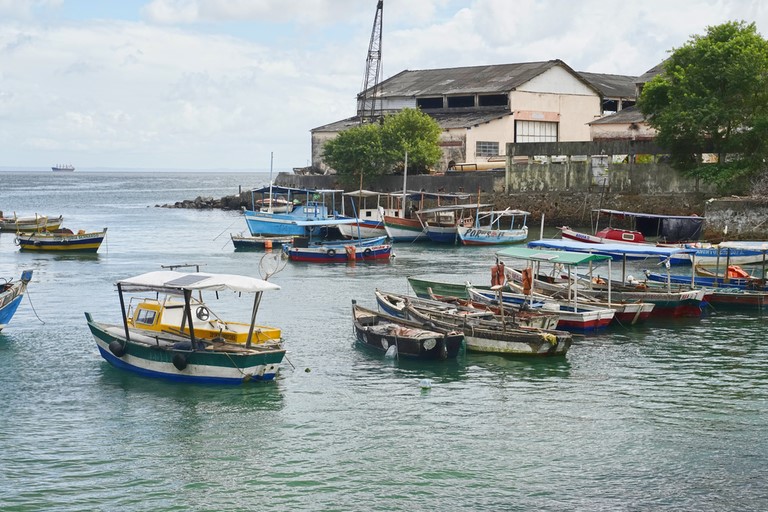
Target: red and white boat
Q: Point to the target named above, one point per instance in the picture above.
(669, 229)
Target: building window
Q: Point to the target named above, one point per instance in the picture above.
(535, 131)
(485, 148)
(461, 101)
(492, 100)
(427, 103)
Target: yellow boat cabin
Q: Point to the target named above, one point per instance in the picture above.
(167, 316)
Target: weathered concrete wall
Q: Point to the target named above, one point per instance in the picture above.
(578, 176)
(745, 219)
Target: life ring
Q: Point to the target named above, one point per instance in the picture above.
(367, 252)
(331, 252)
(202, 313)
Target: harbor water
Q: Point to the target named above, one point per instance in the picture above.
(669, 415)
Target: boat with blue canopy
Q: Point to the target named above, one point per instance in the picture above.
(309, 209)
(667, 302)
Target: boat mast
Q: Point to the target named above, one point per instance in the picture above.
(271, 159)
(405, 180)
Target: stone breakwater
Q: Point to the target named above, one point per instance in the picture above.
(234, 202)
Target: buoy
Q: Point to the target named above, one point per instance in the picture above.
(425, 384)
(117, 348)
(351, 252)
(267, 244)
(179, 361)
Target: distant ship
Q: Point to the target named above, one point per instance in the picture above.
(63, 167)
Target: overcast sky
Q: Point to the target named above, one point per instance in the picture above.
(219, 84)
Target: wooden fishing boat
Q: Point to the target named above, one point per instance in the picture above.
(15, 224)
(555, 287)
(497, 337)
(369, 222)
(310, 213)
(574, 315)
(396, 304)
(381, 332)
(182, 348)
(670, 229)
(425, 287)
(667, 302)
(495, 227)
(723, 254)
(11, 293)
(61, 240)
(259, 243)
(347, 253)
(734, 293)
(735, 277)
(441, 223)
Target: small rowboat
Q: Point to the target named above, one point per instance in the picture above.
(32, 223)
(380, 332)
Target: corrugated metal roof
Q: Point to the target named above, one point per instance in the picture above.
(625, 116)
(646, 77)
(490, 79)
(612, 86)
(446, 118)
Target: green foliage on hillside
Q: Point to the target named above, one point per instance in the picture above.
(712, 97)
(379, 148)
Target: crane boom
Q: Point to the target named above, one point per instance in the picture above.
(369, 107)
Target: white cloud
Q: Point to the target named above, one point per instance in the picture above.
(222, 83)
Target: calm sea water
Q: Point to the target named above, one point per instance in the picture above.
(667, 416)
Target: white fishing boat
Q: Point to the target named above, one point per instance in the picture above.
(173, 334)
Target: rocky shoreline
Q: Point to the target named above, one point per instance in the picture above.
(234, 202)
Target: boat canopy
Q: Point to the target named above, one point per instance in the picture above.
(370, 193)
(626, 249)
(169, 281)
(453, 208)
(672, 228)
(293, 191)
(324, 222)
(745, 245)
(416, 195)
(565, 258)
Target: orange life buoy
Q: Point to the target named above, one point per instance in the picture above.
(527, 280)
(736, 271)
(497, 274)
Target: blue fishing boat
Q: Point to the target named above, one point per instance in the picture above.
(11, 293)
(723, 254)
(732, 279)
(309, 210)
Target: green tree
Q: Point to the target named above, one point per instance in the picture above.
(379, 148)
(356, 153)
(712, 97)
(417, 133)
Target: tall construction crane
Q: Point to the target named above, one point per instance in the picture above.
(369, 105)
